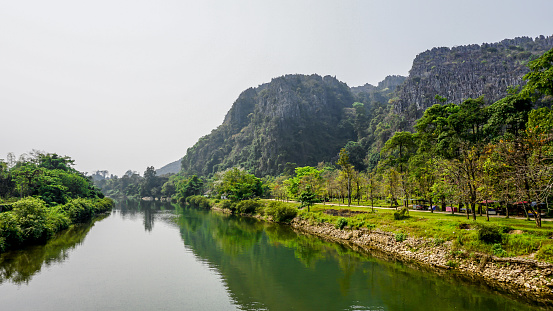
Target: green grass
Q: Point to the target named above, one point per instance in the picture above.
(443, 227)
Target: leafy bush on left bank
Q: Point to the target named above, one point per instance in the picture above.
(32, 221)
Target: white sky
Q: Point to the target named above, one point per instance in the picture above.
(121, 85)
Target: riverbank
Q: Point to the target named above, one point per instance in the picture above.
(408, 241)
(522, 277)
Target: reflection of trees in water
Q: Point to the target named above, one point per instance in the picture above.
(133, 209)
(19, 266)
(266, 265)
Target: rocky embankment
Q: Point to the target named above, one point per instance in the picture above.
(522, 277)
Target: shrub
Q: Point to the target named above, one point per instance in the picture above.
(358, 224)
(249, 207)
(57, 220)
(228, 205)
(341, 223)
(198, 201)
(280, 212)
(490, 234)
(10, 232)
(401, 214)
(79, 210)
(400, 236)
(498, 251)
(545, 253)
(452, 264)
(31, 215)
(103, 205)
(458, 253)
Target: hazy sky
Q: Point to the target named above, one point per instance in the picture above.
(121, 85)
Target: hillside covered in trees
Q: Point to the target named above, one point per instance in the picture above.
(294, 118)
(298, 120)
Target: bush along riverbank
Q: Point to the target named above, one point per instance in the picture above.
(509, 255)
(32, 221)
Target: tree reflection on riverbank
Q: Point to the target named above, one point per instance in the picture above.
(132, 209)
(19, 266)
(270, 266)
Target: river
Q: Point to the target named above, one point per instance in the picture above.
(155, 256)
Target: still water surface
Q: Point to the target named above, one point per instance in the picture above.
(153, 256)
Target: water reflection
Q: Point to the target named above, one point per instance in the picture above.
(19, 266)
(268, 266)
(260, 266)
(133, 209)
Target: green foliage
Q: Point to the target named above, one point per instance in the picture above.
(307, 197)
(10, 231)
(47, 176)
(199, 201)
(490, 234)
(57, 220)
(31, 216)
(498, 251)
(79, 210)
(280, 212)
(401, 214)
(103, 205)
(33, 221)
(229, 205)
(53, 196)
(236, 184)
(315, 122)
(452, 264)
(540, 78)
(249, 207)
(341, 223)
(400, 237)
(190, 186)
(306, 178)
(545, 253)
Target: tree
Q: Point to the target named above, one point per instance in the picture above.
(149, 182)
(372, 187)
(392, 186)
(347, 171)
(397, 151)
(237, 184)
(307, 197)
(540, 78)
(306, 176)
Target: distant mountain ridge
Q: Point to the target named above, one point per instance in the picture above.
(171, 168)
(468, 71)
(305, 119)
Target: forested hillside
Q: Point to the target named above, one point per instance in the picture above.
(298, 120)
(294, 118)
(468, 71)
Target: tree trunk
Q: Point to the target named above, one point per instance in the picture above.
(431, 210)
(473, 207)
(537, 216)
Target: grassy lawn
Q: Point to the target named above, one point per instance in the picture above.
(516, 237)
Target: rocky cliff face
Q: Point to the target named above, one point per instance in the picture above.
(294, 118)
(465, 72)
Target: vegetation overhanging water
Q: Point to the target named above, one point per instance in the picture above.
(259, 265)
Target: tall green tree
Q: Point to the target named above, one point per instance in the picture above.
(237, 184)
(347, 170)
